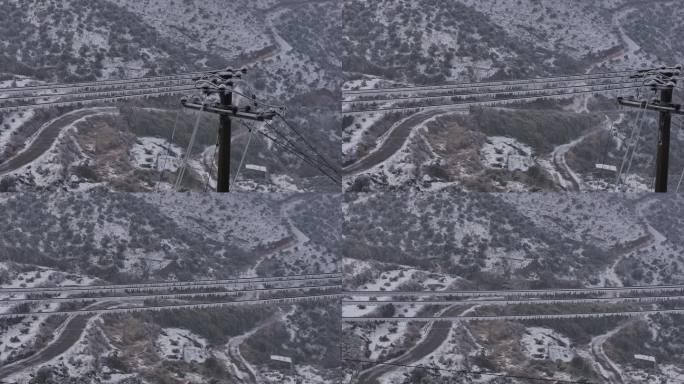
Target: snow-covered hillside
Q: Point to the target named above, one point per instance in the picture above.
(440, 241)
(428, 42)
(70, 241)
(290, 47)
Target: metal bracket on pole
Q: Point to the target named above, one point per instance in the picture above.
(240, 113)
(655, 105)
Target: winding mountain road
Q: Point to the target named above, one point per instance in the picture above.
(396, 138)
(47, 136)
(51, 130)
(608, 369)
(437, 333)
(71, 332)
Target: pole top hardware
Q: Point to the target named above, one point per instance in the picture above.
(246, 113)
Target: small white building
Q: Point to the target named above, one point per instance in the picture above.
(284, 360)
(253, 171)
(650, 360)
(519, 162)
(606, 167)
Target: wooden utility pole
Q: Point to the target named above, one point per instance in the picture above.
(663, 80)
(663, 151)
(224, 137)
(222, 83)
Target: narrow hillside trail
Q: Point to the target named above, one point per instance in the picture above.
(297, 237)
(246, 372)
(436, 333)
(271, 14)
(558, 156)
(655, 238)
(606, 367)
(641, 208)
(564, 176)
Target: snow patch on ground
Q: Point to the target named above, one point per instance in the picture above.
(545, 344)
(11, 125)
(181, 344)
(155, 153)
(506, 152)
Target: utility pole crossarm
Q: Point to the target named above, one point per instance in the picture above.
(655, 105)
(240, 113)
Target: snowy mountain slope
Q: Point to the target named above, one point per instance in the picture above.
(426, 42)
(471, 40)
(133, 237)
(106, 238)
(588, 239)
(406, 242)
(285, 44)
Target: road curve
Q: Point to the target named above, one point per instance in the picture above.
(395, 140)
(46, 137)
(50, 131)
(438, 333)
(73, 329)
(609, 370)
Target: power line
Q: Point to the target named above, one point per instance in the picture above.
(527, 317)
(640, 122)
(521, 292)
(222, 84)
(297, 152)
(188, 153)
(168, 151)
(487, 102)
(93, 100)
(175, 295)
(503, 82)
(299, 155)
(478, 93)
(175, 284)
(283, 300)
(101, 91)
(244, 154)
(613, 300)
(107, 82)
(467, 372)
(659, 80)
(313, 149)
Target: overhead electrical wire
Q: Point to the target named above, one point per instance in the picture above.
(171, 294)
(476, 103)
(298, 154)
(216, 304)
(107, 82)
(502, 82)
(299, 134)
(168, 151)
(478, 93)
(469, 372)
(244, 153)
(292, 144)
(191, 143)
(93, 100)
(173, 284)
(524, 317)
